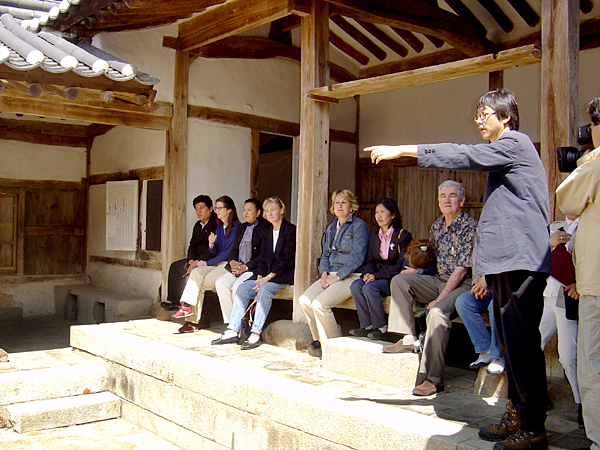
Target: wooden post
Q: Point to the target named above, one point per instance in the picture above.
(560, 85)
(496, 80)
(174, 186)
(314, 148)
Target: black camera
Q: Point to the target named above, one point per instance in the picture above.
(584, 134)
(568, 156)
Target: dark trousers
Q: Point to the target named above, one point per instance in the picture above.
(176, 280)
(518, 306)
(368, 298)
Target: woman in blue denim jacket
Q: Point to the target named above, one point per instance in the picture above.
(346, 241)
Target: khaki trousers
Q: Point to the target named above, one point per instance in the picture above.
(409, 287)
(588, 365)
(202, 279)
(316, 304)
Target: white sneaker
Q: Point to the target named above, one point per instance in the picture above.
(484, 359)
(496, 367)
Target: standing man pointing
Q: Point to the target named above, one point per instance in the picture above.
(512, 250)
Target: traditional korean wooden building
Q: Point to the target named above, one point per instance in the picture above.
(331, 76)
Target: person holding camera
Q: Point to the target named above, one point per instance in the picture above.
(579, 195)
(512, 251)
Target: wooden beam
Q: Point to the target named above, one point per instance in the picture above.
(147, 173)
(421, 18)
(313, 175)
(560, 85)
(40, 132)
(378, 34)
(174, 185)
(226, 20)
(465, 13)
(264, 124)
(346, 48)
(155, 117)
(482, 64)
(359, 37)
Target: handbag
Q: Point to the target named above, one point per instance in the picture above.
(562, 265)
(246, 324)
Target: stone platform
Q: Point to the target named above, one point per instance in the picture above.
(195, 395)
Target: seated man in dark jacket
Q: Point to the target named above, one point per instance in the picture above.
(197, 251)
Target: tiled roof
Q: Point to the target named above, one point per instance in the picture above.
(28, 41)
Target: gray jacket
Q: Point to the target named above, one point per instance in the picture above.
(512, 233)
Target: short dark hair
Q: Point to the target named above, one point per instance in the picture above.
(256, 203)
(421, 254)
(593, 109)
(391, 205)
(504, 103)
(203, 199)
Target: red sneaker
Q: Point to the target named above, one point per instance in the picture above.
(182, 312)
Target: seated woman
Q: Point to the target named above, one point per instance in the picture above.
(344, 251)
(243, 258)
(275, 270)
(203, 277)
(385, 257)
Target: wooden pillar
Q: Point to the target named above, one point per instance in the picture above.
(313, 171)
(174, 186)
(560, 85)
(496, 80)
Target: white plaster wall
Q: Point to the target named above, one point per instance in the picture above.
(25, 161)
(341, 166)
(36, 298)
(97, 226)
(218, 164)
(126, 148)
(589, 87)
(144, 49)
(129, 280)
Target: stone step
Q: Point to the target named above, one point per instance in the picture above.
(362, 358)
(61, 412)
(91, 304)
(44, 384)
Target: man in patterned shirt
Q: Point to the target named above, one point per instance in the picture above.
(452, 234)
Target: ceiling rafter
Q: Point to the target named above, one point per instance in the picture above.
(420, 18)
(346, 48)
(386, 40)
(359, 37)
(412, 40)
(465, 13)
(498, 15)
(530, 17)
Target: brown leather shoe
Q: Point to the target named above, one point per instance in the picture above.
(509, 424)
(188, 327)
(521, 440)
(398, 347)
(204, 320)
(427, 388)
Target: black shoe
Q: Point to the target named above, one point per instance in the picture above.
(169, 306)
(376, 335)
(315, 344)
(360, 332)
(221, 341)
(247, 345)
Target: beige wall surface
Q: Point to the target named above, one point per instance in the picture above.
(25, 161)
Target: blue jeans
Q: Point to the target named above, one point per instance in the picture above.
(368, 300)
(469, 309)
(244, 296)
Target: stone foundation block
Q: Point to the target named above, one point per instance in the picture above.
(62, 412)
(362, 358)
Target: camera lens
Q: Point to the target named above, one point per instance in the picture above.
(567, 158)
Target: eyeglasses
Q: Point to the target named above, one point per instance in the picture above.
(483, 116)
(219, 208)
